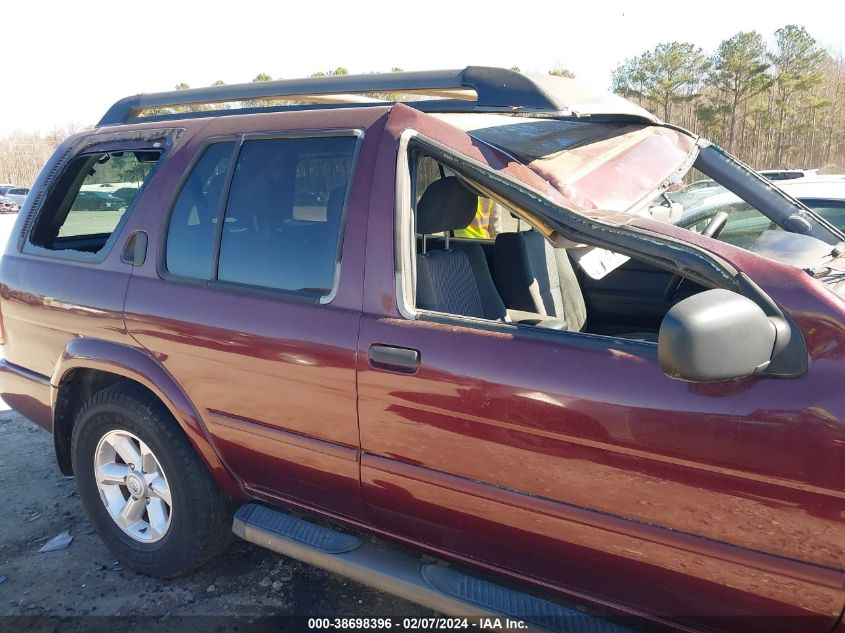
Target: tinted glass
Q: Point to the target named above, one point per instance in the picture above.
(82, 212)
(831, 210)
(193, 222)
(284, 213)
(745, 223)
(743, 227)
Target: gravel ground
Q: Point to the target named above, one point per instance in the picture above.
(55, 590)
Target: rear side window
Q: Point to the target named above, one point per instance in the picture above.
(193, 222)
(284, 213)
(83, 209)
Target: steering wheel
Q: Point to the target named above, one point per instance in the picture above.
(713, 229)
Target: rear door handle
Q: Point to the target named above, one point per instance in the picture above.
(391, 358)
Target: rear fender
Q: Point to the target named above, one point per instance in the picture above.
(136, 364)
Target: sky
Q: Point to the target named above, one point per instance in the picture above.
(66, 62)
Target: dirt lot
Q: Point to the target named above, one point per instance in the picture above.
(51, 591)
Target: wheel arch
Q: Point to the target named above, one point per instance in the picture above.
(89, 365)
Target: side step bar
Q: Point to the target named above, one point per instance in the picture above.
(434, 586)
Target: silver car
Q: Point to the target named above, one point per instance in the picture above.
(8, 206)
(17, 194)
(823, 194)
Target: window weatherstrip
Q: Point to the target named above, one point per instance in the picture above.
(404, 236)
(221, 211)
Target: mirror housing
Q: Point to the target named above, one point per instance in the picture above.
(716, 335)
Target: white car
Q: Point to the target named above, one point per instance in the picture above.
(8, 206)
(697, 191)
(788, 174)
(17, 194)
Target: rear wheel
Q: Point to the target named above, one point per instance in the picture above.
(143, 486)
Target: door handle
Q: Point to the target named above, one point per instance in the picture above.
(391, 358)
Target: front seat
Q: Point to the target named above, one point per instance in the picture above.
(455, 280)
(535, 277)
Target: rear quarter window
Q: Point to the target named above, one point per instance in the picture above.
(82, 210)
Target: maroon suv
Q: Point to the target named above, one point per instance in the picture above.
(465, 323)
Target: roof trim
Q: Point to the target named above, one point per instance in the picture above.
(496, 89)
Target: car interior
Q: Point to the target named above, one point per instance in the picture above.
(519, 276)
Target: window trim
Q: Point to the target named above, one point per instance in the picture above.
(240, 139)
(405, 263)
(32, 249)
(404, 245)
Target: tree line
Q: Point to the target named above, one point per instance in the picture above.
(776, 106)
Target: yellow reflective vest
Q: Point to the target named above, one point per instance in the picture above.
(480, 226)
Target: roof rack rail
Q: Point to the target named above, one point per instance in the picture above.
(495, 89)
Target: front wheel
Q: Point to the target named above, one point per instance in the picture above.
(143, 486)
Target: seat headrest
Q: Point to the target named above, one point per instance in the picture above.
(446, 206)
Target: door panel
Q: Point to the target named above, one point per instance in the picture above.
(270, 369)
(633, 295)
(573, 459)
(274, 380)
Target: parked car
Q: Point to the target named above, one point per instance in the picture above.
(788, 174)
(593, 404)
(745, 224)
(699, 190)
(127, 194)
(16, 194)
(98, 201)
(8, 206)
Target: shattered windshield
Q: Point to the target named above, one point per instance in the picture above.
(596, 166)
(637, 168)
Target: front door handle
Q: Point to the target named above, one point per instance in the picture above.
(391, 358)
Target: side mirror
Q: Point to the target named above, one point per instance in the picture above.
(715, 335)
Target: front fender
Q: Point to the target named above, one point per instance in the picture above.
(137, 364)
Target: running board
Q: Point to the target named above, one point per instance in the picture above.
(387, 568)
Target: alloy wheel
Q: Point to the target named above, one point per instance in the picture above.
(133, 486)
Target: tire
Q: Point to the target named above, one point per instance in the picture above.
(187, 520)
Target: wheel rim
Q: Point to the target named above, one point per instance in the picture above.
(133, 486)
